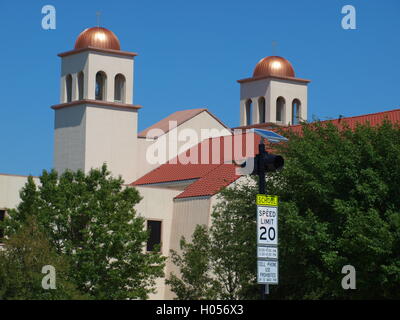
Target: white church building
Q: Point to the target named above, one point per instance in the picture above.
(180, 163)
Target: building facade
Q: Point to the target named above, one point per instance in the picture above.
(180, 163)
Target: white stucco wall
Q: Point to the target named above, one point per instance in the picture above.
(111, 137)
(187, 214)
(73, 64)
(91, 62)
(143, 166)
(271, 90)
(289, 91)
(196, 124)
(69, 138)
(10, 186)
(88, 135)
(157, 204)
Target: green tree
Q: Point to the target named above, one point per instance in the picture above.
(91, 219)
(21, 262)
(219, 262)
(195, 281)
(339, 205)
(340, 186)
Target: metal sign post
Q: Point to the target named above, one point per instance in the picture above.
(267, 212)
(267, 241)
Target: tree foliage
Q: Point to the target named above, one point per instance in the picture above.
(195, 281)
(339, 205)
(219, 262)
(91, 219)
(21, 262)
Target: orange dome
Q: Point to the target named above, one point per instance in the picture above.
(273, 66)
(97, 37)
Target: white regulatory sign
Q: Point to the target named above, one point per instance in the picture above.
(267, 271)
(267, 225)
(267, 252)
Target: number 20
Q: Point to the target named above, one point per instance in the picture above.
(271, 233)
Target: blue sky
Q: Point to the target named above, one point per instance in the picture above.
(190, 55)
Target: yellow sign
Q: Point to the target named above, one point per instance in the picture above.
(269, 201)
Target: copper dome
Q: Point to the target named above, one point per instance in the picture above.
(97, 37)
(273, 66)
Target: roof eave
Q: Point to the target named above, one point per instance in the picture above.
(273, 77)
(101, 50)
(96, 103)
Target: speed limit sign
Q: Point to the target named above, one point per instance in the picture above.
(267, 225)
(267, 239)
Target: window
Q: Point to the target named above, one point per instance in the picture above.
(2, 215)
(68, 87)
(261, 109)
(101, 79)
(280, 109)
(155, 234)
(249, 111)
(80, 85)
(296, 105)
(119, 88)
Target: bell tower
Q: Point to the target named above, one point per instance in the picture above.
(96, 121)
(273, 95)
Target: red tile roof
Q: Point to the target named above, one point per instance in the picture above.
(212, 177)
(204, 158)
(222, 176)
(175, 172)
(372, 118)
(180, 117)
(213, 165)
